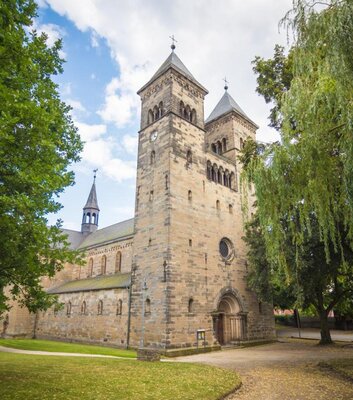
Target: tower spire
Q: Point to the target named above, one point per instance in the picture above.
(91, 209)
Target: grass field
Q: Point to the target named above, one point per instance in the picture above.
(72, 378)
(49, 345)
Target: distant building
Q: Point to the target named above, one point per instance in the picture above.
(180, 265)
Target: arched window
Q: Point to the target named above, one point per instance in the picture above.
(103, 265)
(84, 308)
(187, 113)
(224, 144)
(90, 267)
(218, 205)
(189, 195)
(88, 218)
(160, 109)
(148, 306)
(219, 147)
(226, 178)
(68, 308)
(153, 157)
(220, 175)
(189, 156)
(209, 170)
(232, 181)
(150, 117)
(181, 109)
(213, 148)
(94, 216)
(155, 113)
(100, 307)
(119, 307)
(215, 173)
(230, 208)
(118, 262)
(193, 116)
(191, 305)
(241, 143)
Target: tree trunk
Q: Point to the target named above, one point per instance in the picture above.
(325, 330)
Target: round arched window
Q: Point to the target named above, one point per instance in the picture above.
(226, 249)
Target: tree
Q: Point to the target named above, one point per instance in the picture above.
(308, 280)
(38, 141)
(304, 185)
(269, 283)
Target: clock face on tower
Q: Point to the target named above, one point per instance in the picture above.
(153, 136)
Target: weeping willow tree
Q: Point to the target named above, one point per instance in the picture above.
(304, 185)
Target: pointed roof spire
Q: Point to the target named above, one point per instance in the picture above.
(226, 105)
(174, 62)
(92, 197)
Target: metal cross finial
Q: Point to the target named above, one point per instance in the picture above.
(173, 41)
(225, 83)
(95, 174)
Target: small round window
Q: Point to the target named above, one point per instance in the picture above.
(226, 248)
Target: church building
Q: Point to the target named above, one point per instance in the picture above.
(174, 276)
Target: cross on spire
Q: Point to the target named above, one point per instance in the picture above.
(173, 41)
(225, 83)
(95, 175)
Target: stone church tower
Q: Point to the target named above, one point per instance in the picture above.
(189, 268)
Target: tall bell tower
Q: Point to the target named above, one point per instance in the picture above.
(171, 144)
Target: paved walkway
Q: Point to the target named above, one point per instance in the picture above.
(310, 333)
(286, 370)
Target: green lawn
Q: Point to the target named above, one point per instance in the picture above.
(74, 378)
(48, 345)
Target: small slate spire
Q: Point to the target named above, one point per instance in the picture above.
(91, 210)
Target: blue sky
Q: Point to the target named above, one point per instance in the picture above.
(113, 47)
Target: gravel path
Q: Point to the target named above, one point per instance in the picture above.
(285, 371)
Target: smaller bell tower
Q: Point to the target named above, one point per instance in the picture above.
(91, 210)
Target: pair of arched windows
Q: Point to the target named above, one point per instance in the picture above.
(187, 112)
(220, 146)
(220, 175)
(155, 113)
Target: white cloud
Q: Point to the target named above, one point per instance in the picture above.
(214, 39)
(123, 213)
(94, 39)
(66, 89)
(78, 109)
(53, 32)
(90, 132)
(130, 144)
(99, 152)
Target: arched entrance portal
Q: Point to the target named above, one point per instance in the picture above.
(229, 320)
